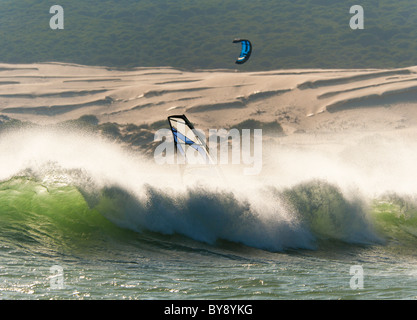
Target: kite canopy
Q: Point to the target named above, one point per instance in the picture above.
(245, 52)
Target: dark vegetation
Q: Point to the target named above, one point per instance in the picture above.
(198, 34)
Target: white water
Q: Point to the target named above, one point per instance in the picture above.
(248, 209)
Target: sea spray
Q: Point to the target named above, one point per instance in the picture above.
(306, 194)
(139, 195)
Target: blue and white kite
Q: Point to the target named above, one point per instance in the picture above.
(245, 51)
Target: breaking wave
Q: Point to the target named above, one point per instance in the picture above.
(62, 190)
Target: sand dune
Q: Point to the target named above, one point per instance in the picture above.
(300, 100)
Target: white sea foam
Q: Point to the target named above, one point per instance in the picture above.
(258, 211)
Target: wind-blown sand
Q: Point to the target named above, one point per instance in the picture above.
(302, 101)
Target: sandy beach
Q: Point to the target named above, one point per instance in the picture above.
(301, 101)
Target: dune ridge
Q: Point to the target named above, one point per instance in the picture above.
(315, 100)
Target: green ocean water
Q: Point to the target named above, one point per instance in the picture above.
(114, 236)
